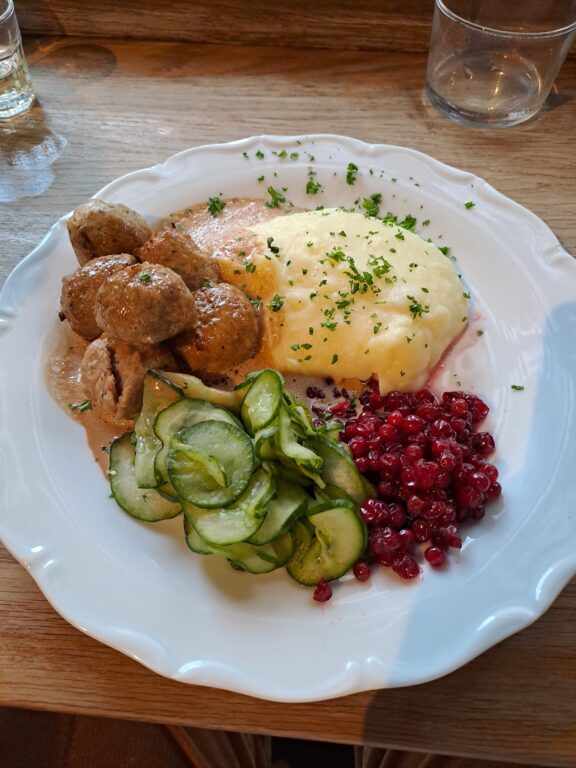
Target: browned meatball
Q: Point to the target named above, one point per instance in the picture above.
(112, 375)
(226, 332)
(97, 229)
(144, 304)
(78, 297)
(178, 251)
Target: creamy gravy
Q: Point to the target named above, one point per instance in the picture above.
(232, 244)
(63, 381)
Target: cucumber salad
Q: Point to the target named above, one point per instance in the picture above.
(255, 481)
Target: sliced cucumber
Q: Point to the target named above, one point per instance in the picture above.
(144, 504)
(159, 393)
(338, 541)
(210, 464)
(339, 468)
(290, 503)
(290, 446)
(301, 533)
(264, 442)
(239, 521)
(195, 387)
(262, 401)
(180, 415)
(243, 556)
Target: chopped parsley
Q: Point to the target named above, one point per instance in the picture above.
(260, 154)
(517, 387)
(372, 204)
(416, 308)
(351, 173)
(469, 204)
(276, 198)
(83, 405)
(276, 303)
(144, 277)
(249, 266)
(272, 248)
(215, 206)
(334, 359)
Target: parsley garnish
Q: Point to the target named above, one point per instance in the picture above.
(517, 387)
(313, 187)
(469, 204)
(416, 309)
(272, 248)
(144, 277)
(334, 359)
(249, 266)
(372, 204)
(351, 173)
(276, 303)
(260, 154)
(215, 206)
(83, 405)
(276, 198)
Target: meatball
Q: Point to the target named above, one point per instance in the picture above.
(97, 229)
(178, 251)
(78, 297)
(144, 304)
(226, 331)
(112, 376)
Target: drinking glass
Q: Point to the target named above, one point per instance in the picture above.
(493, 62)
(16, 94)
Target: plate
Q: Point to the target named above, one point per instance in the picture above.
(138, 589)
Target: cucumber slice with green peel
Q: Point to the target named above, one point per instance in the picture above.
(338, 541)
(301, 533)
(251, 376)
(301, 419)
(194, 387)
(262, 401)
(193, 539)
(339, 469)
(289, 474)
(236, 522)
(291, 448)
(290, 503)
(143, 503)
(243, 556)
(210, 464)
(264, 443)
(182, 414)
(159, 393)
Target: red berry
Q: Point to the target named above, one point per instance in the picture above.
(361, 570)
(435, 556)
(323, 592)
(406, 567)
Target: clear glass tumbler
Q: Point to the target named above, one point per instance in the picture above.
(492, 63)
(16, 94)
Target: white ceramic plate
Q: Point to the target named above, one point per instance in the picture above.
(137, 588)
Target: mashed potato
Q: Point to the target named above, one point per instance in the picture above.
(354, 296)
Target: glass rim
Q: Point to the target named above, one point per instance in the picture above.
(558, 32)
(9, 8)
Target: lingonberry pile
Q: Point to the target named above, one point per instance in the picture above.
(428, 461)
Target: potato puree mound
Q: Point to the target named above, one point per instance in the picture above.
(356, 297)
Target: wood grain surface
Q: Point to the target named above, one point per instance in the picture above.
(336, 24)
(109, 107)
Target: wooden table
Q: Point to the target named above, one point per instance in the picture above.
(108, 107)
